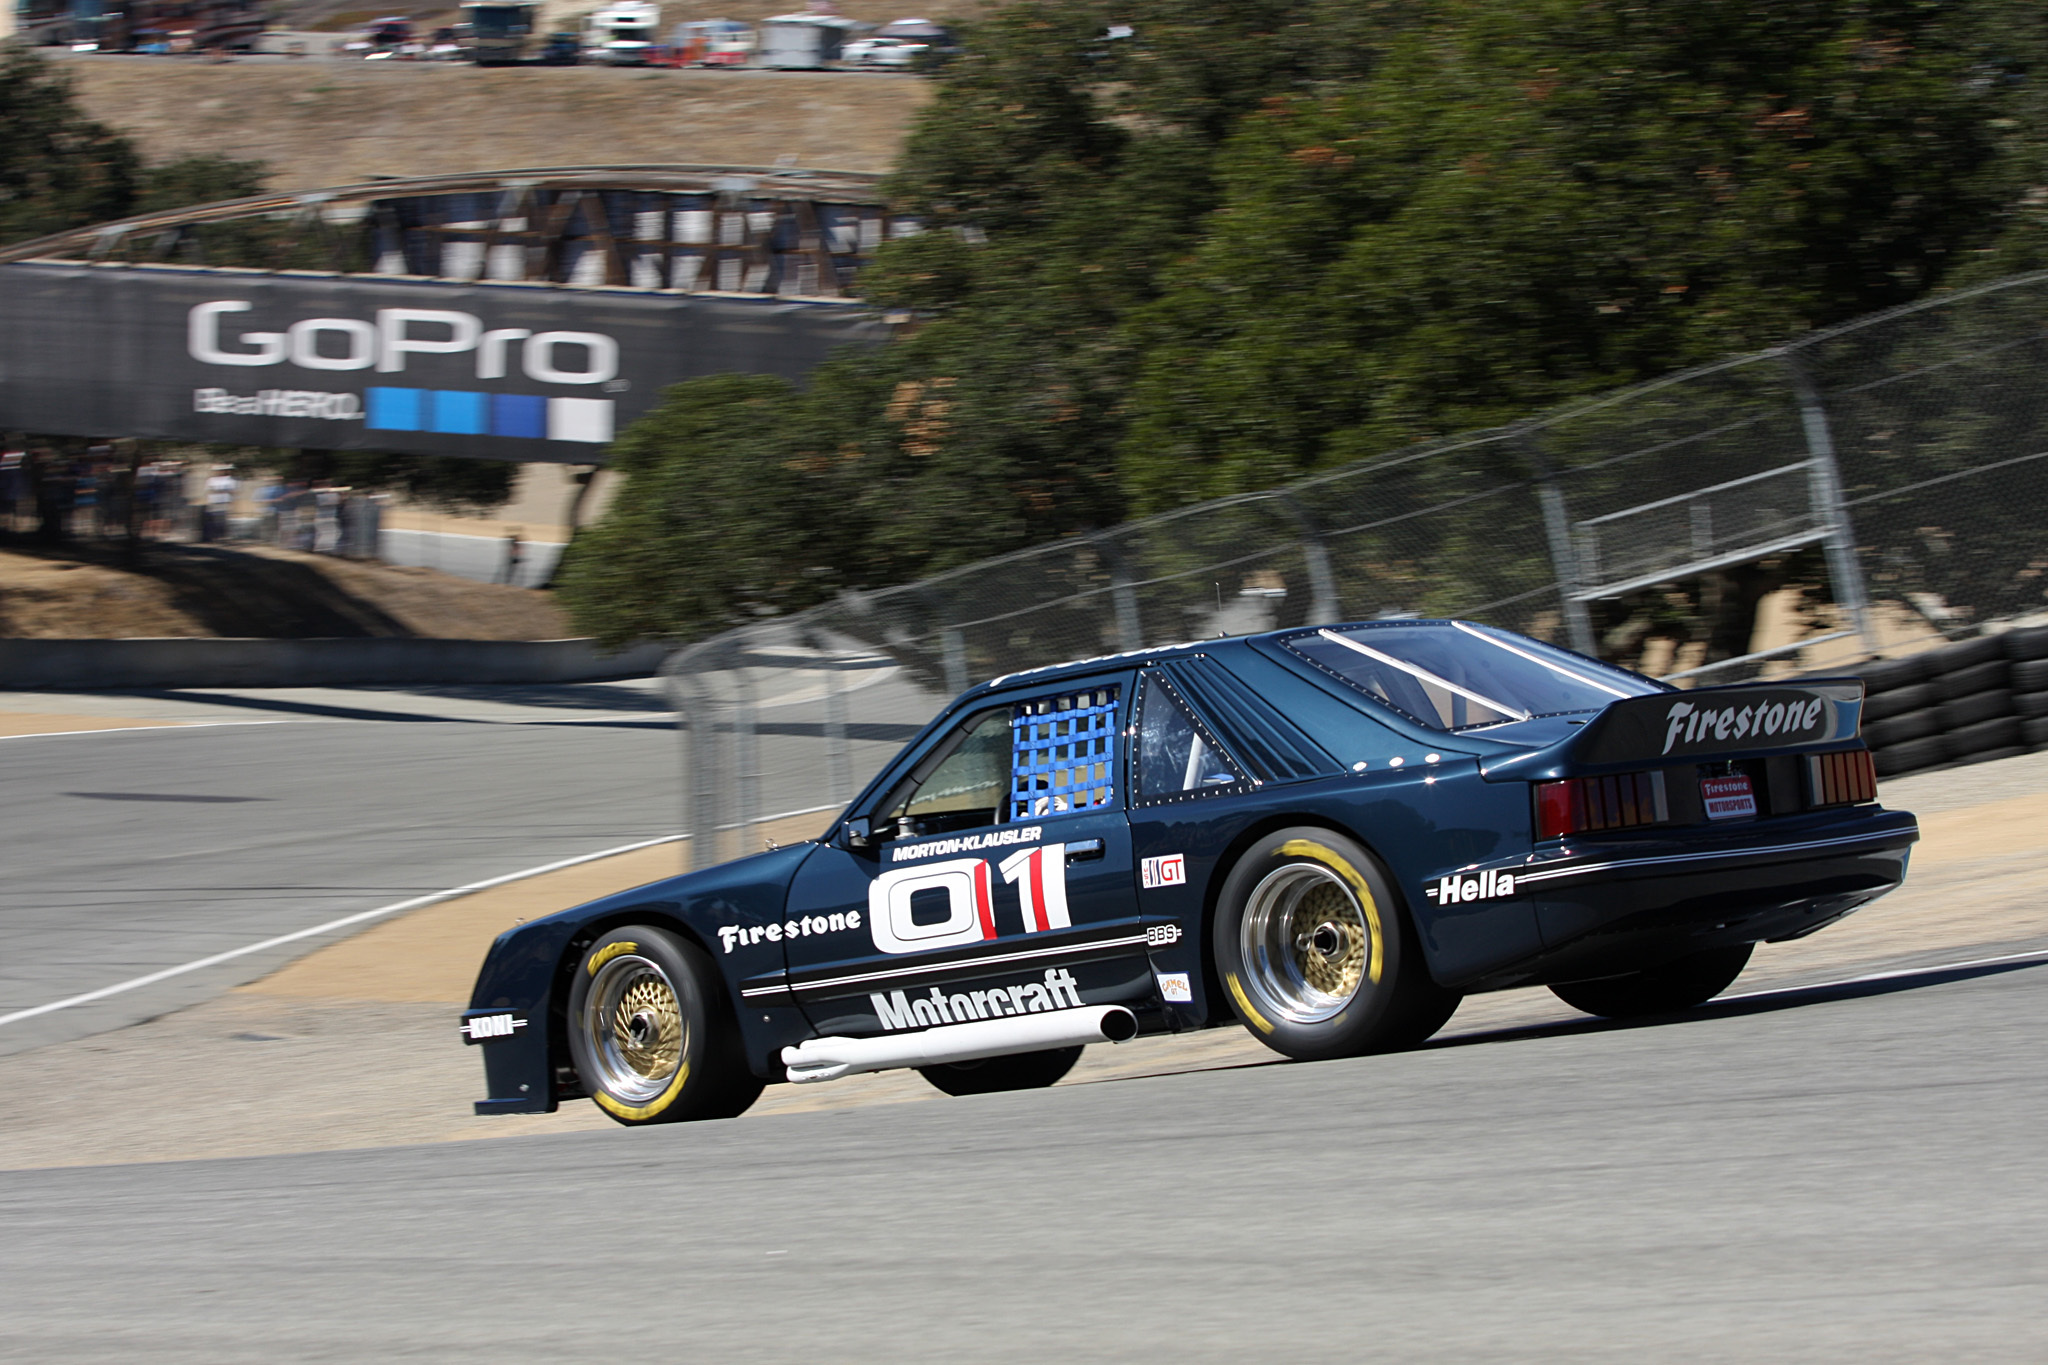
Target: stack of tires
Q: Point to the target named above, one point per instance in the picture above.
(1965, 703)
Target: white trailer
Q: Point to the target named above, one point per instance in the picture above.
(623, 33)
(803, 42)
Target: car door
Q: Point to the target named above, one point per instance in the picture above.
(996, 878)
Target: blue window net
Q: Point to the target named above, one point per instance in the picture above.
(1063, 753)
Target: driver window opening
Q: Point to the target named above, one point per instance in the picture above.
(965, 789)
(1041, 757)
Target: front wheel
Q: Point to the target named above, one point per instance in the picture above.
(651, 1032)
(1019, 1071)
(1315, 953)
(1680, 985)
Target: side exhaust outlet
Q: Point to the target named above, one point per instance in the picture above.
(827, 1059)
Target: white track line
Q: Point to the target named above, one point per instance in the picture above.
(137, 729)
(344, 922)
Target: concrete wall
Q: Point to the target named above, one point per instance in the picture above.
(91, 664)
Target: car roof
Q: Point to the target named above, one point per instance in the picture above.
(1140, 658)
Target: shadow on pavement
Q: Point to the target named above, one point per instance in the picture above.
(1763, 1002)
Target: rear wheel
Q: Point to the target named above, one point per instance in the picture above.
(651, 1031)
(1315, 951)
(1691, 980)
(1020, 1071)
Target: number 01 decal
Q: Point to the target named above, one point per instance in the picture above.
(970, 910)
(1043, 892)
(1039, 874)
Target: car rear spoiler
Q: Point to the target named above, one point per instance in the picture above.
(1706, 723)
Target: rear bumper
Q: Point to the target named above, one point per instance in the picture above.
(1627, 905)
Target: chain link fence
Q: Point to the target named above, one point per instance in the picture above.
(1874, 489)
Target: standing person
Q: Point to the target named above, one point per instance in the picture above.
(327, 519)
(13, 487)
(220, 499)
(514, 552)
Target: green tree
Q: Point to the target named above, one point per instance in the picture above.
(58, 168)
(1545, 199)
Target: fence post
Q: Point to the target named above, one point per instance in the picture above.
(745, 752)
(1322, 584)
(1824, 487)
(1130, 633)
(1564, 554)
(953, 651)
(838, 761)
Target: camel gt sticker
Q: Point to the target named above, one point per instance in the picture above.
(1169, 870)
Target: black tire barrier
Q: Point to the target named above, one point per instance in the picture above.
(2030, 675)
(1888, 674)
(1968, 702)
(1974, 709)
(1883, 734)
(1965, 654)
(2031, 643)
(1898, 701)
(1973, 740)
(1898, 759)
(1970, 680)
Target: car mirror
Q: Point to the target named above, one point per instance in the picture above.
(859, 833)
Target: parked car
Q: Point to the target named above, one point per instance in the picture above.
(1325, 835)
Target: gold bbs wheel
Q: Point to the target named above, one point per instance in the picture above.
(1306, 943)
(1315, 950)
(651, 1029)
(636, 1022)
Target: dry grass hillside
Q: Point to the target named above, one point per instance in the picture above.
(92, 592)
(333, 122)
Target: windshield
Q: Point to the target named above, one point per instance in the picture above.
(1453, 675)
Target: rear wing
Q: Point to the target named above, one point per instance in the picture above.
(1721, 722)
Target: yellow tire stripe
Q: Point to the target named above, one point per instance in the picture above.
(1304, 848)
(1237, 994)
(652, 1107)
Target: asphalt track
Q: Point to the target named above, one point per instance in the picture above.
(1823, 1175)
(131, 851)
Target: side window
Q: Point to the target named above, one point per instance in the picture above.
(1063, 753)
(1177, 757)
(965, 785)
(1045, 756)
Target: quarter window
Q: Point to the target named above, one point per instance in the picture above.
(1176, 756)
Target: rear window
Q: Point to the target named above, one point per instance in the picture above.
(1453, 675)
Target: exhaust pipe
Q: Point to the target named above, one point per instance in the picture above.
(827, 1059)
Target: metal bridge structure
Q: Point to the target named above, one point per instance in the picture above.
(779, 232)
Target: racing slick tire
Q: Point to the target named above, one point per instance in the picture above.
(1691, 980)
(1315, 951)
(1019, 1071)
(651, 1031)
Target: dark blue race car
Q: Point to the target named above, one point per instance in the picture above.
(1327, 835)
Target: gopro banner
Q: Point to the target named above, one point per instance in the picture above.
(335, 362)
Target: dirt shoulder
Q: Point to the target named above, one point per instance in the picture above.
(322, 123)
(91, 592)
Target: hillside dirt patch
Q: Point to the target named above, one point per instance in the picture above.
(89, 592)
(321, 123)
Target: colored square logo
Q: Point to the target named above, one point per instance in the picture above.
(588, 420)
(396, 409)
(518, 414)
(458, 413)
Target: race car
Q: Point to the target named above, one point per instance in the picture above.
(1327, 835)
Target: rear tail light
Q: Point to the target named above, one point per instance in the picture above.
(1841, 779)
(1594, 803)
